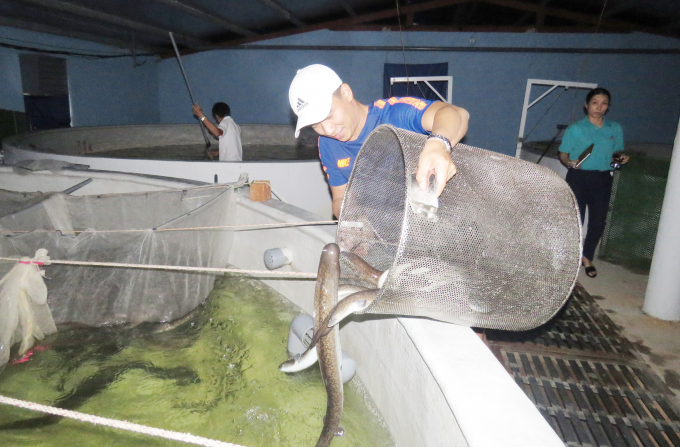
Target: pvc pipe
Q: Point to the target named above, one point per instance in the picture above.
(662, 299)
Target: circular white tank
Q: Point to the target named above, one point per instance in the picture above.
(298, 182)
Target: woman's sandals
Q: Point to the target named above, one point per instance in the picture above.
(591, 271)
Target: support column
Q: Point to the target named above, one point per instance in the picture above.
(662, 299)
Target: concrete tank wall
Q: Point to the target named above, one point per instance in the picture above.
(83, 140)
(299, 182)
(436, 384)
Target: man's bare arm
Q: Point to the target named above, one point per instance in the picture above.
(451, 122)
(213, 129)
(338, 193)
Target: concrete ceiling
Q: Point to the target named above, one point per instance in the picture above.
(143, 25)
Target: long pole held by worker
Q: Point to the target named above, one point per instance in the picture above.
(193, 101)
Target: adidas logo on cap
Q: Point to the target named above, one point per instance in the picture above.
(301, 104)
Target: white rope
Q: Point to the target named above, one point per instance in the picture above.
(123, 425)
(219, 227)
(172, 267)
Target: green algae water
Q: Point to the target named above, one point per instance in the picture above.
(213, 374)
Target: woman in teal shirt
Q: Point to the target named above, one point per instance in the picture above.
(591, 182)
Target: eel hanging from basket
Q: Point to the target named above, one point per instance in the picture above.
(499, 249)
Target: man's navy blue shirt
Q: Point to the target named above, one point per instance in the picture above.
(338, 157)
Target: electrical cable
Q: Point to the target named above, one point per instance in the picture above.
(403, 52)
(401, 37)
(585, 61)
(579, 74)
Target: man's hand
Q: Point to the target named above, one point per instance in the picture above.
(197, 111)
(452, 123)
(435, 159)
(214, 130)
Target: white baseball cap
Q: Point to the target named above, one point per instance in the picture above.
(311, 94)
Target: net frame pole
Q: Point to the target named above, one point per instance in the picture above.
(191, 94)
(526, 106)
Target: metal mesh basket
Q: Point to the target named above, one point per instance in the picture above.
(504, 252)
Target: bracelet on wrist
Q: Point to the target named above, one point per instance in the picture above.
(203, 118)
(443, 139)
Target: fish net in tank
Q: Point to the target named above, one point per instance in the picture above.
(504, 249)
(123, 228)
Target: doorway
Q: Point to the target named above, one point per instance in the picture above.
(45, 88)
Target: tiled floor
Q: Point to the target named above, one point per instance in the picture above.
(621, 294)
(601, 372)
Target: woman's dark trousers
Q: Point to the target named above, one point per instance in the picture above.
(593, 190)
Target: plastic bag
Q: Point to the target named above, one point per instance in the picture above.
(24, 314)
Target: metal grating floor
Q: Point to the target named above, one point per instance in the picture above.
(588, 380)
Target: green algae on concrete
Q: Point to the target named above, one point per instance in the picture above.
(214, 375)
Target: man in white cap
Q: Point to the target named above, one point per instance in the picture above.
(320, 99)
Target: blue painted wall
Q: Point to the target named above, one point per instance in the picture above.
(11, 97)
(490, 85)
(102, 91)
(113, 92)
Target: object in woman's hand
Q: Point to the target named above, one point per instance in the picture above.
(584, 155)
(617, 161)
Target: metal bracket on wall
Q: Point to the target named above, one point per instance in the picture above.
(525, 108)
(426, 80)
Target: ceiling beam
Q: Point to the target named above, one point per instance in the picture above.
(208, 16)
(349, 21)
(459, 15)
(73, 23)
(348, 8)
(116, 20)
(80, 35)
(620, 8)
(669, 29)
(563, 13)
(527, 16)
(474, 28)
(472, 9)
(278, 7)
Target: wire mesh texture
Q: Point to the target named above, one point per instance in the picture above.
(634, 212)
(503, 253)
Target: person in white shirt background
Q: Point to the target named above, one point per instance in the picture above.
(227, 131)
